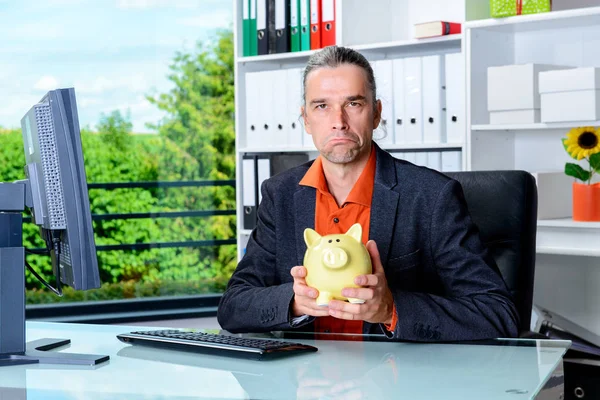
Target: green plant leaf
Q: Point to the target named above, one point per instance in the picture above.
(577, 172)
(595, 162)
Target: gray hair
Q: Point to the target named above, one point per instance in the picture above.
(334, 56)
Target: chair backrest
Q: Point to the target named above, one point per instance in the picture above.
(503, 205)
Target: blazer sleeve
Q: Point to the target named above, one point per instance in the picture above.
(256, 299)
(476, 302)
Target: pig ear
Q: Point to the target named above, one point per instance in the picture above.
(355, 231)
(311, 237)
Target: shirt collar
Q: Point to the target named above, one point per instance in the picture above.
(361, 192)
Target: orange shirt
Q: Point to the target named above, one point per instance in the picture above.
(331, 219)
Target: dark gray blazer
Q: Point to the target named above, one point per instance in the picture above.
(445, 284)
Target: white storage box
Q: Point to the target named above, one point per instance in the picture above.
(515, 87)
(579, 105)
(569, 79)
(570, 95)
(554, 195)
(530, 116)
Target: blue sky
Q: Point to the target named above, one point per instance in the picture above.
(113, 52)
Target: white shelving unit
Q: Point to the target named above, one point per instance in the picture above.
(416, 146)
(534, 127)
(568, 252)
(569, 38)
(381, 30)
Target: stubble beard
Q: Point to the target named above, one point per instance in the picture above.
(335, 154)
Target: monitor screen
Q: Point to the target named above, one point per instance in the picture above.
(55, 170)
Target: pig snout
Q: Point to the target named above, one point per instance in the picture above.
(335, 258)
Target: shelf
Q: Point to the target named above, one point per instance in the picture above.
(558, 236)
(569, 223)
(297, 55)
(424, 146)
(567, 237)
(551, 21)
(534, 127)
(448, 42)
(283, 149)
(416, 146)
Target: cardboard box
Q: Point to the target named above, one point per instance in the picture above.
(530, 116)
(515, 87)
(555, 199)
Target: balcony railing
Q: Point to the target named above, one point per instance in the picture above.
(154, 215)
(142, 309)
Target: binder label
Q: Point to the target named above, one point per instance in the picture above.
(293, 13)
(328, 10)
(303, 12)
(261, 15)
(280, 14)
(314, 11)
(252, 9)
(245, 9)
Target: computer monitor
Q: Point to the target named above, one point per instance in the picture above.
(55, 170)
(56, 192)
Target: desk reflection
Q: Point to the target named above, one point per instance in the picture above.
(370, 368)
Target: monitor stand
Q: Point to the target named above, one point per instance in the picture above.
(13, 350)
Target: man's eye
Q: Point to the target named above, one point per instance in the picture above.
(354, 104)
(322, 106)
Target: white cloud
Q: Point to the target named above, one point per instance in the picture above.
(35, 31)
(103, 84)
(140, 106)
(46, 83)
(53, 3)
(12, 112)
(216, 19)
(85, 101)
(144, 4)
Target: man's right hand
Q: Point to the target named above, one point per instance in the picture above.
(304, 302)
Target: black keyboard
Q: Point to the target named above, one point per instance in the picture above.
(216, 344)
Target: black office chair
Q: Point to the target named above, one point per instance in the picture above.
(503, 205)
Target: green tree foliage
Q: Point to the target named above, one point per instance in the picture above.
(116, 129)
(200, 119)
(195, 142)
(200, 106)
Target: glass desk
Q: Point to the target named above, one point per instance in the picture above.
(349, 367)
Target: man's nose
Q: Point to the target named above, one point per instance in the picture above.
(340, 120)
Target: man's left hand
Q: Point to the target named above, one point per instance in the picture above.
(379, 303)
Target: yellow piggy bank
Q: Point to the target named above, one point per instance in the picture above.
(333, 261)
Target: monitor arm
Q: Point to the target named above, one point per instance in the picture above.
(14, 197)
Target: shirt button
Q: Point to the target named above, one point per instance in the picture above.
(336, 220)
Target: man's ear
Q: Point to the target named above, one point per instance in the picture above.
(377, 114)
(305, 120)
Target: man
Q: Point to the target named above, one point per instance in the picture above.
(432, 277)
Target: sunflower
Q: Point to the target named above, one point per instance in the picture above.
(582, 142)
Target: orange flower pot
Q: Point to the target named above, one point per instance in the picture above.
(586, 202)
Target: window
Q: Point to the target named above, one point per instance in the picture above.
(154, 86)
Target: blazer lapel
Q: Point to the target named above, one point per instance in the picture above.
(384, 204)
(304, 209)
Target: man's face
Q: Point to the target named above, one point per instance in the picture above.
(339, 112)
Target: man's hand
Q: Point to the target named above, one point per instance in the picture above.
(379, 303)
(304, 302)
